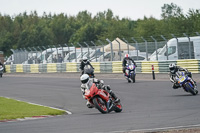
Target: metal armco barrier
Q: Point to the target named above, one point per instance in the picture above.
(104, 67)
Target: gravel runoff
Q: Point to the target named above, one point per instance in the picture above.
(139, 76)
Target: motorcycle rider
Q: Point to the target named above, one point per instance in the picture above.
(125, 60)
(173, 69)
(87, 83)
(1, 63)
(84, 62)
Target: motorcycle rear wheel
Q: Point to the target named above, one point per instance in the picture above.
(191, 90)
(100, 104)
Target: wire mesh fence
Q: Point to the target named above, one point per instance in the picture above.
(113, 50)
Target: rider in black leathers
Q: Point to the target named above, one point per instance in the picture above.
(173, 69)
(125, 60)
(83, 63)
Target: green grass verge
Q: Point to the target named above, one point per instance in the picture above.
(13, 109)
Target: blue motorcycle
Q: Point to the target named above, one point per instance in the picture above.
(130, 72)
(185, 82)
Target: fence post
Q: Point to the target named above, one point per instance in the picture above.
(95, 49)
(23, 55)
(62, 50)
(120, 55)
(51, 53)
(127, 44)
(111, 48)
(81, 49)
(40, 52)
(26, 54)
(68, 50)
(166, 46)
(56, 53)
(75, 51)
(177, 42)
(102, 47)
(189, 44)
(136, 45)
(46, 53)
(156, 45)
(88, 55)
(145, 47)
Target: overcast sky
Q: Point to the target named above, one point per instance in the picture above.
(133, 9)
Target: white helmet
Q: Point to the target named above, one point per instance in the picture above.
(172, 67)
(84, 78)
(84, 58)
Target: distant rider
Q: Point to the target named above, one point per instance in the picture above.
(1, 63)
(87, 83)
(83, 63)
(173, 69)
(125, 60)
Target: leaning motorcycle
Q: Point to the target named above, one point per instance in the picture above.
(130, 72)
(185, 83)
(89, 70)
(102, 100)
(1, 70)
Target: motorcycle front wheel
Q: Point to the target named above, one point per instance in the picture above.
(100, 104)
(118, 107)
(133, 77)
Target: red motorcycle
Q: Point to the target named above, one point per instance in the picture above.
(102, 100)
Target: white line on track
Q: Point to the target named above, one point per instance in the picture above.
(154, 129)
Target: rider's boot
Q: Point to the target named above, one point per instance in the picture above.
(194, 83)
(108, 89)
(89, 105)
(115, 97)
(175, 86)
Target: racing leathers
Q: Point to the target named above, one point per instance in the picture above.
(125, 61)
(172, 76)
(100, 85)
(83, 64)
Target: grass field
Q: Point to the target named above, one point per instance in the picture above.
(13, 109)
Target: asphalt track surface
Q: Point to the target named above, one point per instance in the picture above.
(147, 104)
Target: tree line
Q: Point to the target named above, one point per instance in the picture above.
(23, 30)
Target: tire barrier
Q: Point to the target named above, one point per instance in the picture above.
(34, 68)
(192, 65)
(147, 66)
(117, 67)
(71, 67)
(164, 66)
(104, 67)
(96, 65)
